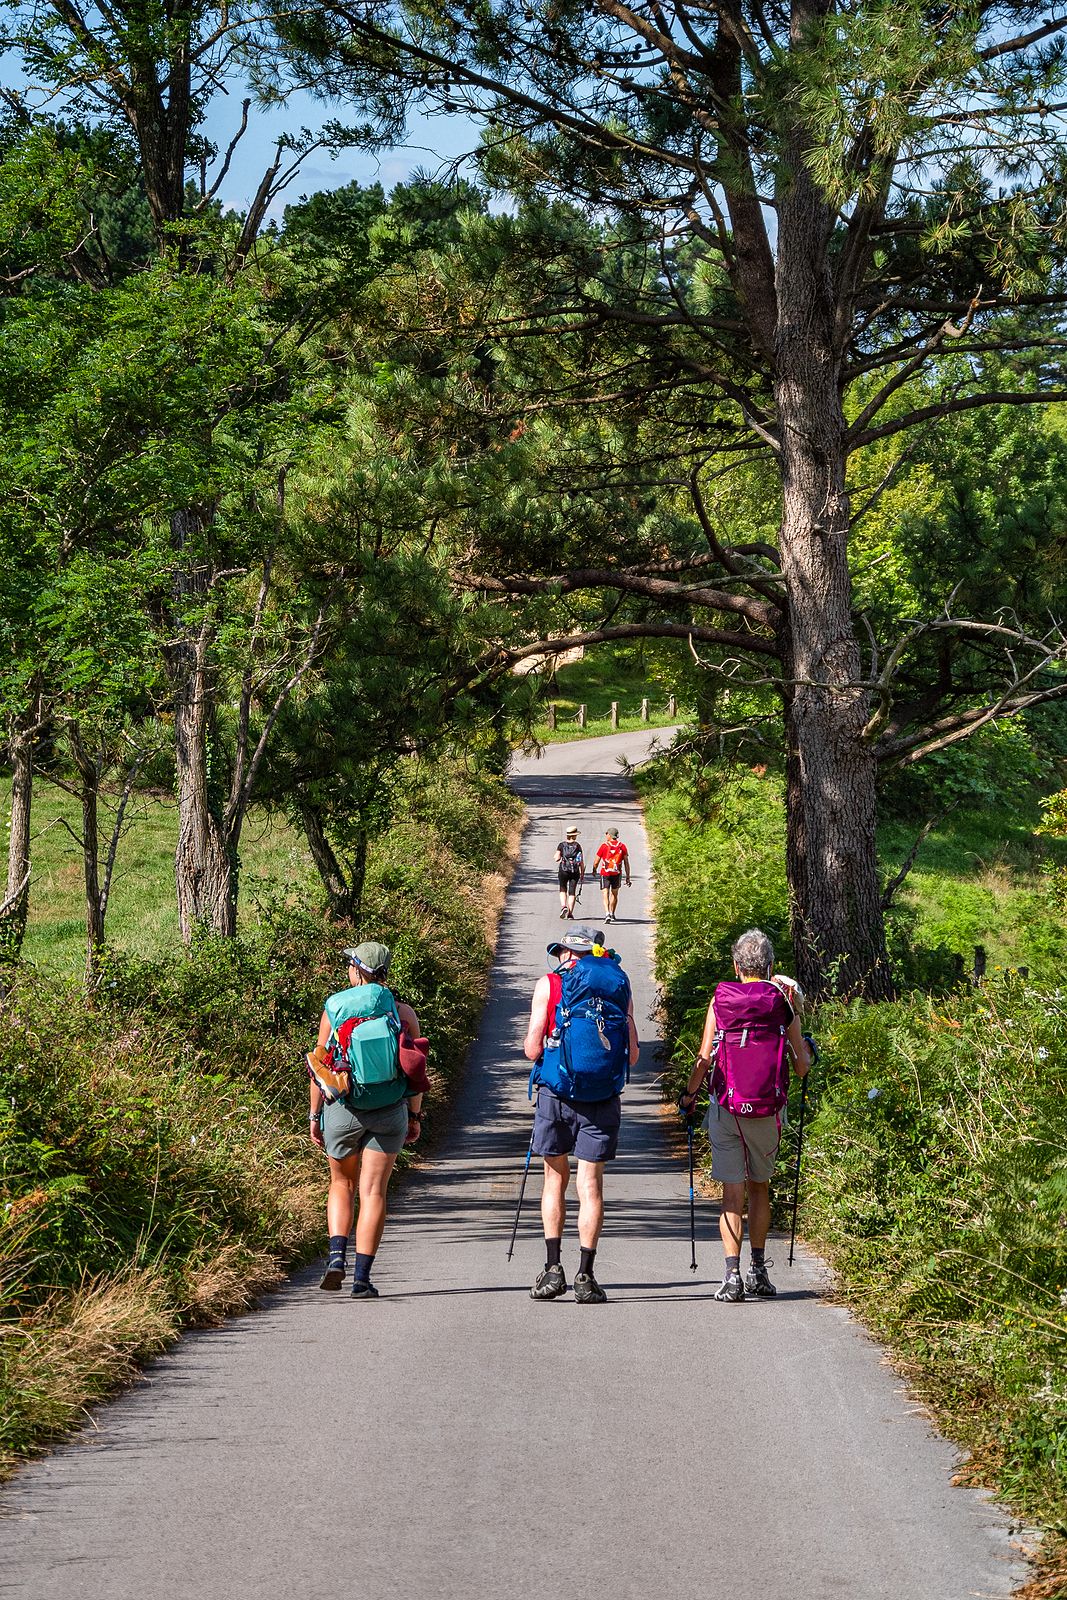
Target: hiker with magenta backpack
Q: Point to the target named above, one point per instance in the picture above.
(367, 1079)
(571, 864)
(582, 1039)
(751, 1036)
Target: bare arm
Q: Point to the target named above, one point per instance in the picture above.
(533, 1044)
(316, 1101)
(635, 1043)
(798, 1047)
(703, 1060)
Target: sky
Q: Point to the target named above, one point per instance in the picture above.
(431, 143)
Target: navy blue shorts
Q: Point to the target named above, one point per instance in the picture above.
(588, 1129)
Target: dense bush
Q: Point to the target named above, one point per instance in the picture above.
(155, 1166)
(935, 1166)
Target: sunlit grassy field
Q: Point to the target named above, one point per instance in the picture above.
(142, 912)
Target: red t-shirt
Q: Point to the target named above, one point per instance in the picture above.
(611, 856)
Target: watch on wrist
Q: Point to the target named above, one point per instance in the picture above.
(415, 1116)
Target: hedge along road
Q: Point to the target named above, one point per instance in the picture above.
(457, 1439)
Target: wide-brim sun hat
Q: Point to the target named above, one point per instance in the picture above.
(370, 957)
(573, 831)
(579, 941)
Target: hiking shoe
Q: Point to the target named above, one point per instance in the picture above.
(758, 1283)
(549, 1284)
(731, 1288)
(334, 1275)
(363, 1289)
(587, 1291)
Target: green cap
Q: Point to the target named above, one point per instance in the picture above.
(371, 958)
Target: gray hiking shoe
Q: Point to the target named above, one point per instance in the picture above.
(587, 1291)
(363, 1289)
(757, 1282)
(549, 1284)
(731, 1288)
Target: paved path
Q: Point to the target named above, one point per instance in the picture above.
(477, 1446)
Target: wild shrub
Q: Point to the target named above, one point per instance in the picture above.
(155, 1165)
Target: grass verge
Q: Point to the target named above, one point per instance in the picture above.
(155, 1169)
(935, 1166)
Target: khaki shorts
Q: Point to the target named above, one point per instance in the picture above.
(731, 1137)
(346, 1132)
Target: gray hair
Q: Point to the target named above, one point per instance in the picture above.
(753, 954)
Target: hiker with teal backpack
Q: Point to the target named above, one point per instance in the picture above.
(582, 1039)
(751, 1035)
(367, 1079)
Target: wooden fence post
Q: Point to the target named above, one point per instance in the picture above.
(614, 713)
(644, 710)
(552, 716)
(672, 707)
(581, 716)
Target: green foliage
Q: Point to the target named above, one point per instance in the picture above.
(936, 1182)
(935, 1173)
(160, 1131)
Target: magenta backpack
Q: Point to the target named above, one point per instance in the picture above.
(751, 1072)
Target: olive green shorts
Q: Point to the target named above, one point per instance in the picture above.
(346, 1133)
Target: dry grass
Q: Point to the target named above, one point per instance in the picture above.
(80, 1346)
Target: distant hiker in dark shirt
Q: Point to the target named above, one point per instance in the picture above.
(571, 864)
(581, 1067)
(363, 1132)
(750, 1034)
(612, 860)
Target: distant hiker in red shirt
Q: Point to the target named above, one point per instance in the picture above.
(610, 862)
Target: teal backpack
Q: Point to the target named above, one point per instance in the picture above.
(366, 1041)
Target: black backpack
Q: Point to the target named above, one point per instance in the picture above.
(570, 855)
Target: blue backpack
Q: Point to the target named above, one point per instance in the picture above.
(587, 1052)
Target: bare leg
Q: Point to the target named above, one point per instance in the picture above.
(341, 1203)
(590, 1202)
(554, 1195)
(613, 901)
(731, 1224)
(374, 1177)
(759, 1214)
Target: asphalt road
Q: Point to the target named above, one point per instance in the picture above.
(457, 1440)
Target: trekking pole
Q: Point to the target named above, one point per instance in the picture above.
(522, 1191)
(692, 1205)
(800, 1147)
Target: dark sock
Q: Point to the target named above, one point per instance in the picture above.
(552, 1249)
(758, 1257)
(733, 1264)
(585, 1263)
(338, 1247)
(361, 1270)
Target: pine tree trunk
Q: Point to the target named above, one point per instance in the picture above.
(832, 865)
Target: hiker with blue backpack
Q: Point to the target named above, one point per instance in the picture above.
(582, 1039)
(752, 1036)
(367, 1079)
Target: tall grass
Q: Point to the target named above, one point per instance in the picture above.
(155, 1165)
